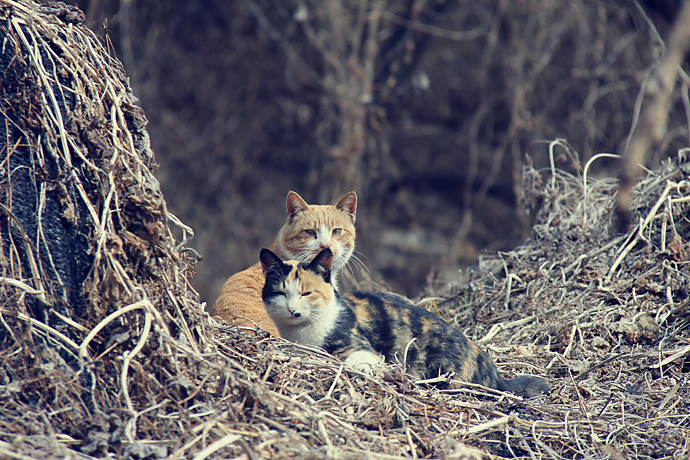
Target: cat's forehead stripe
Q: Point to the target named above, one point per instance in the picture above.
(290, 276)
(323, 215)
(302, 280)
(299, 267)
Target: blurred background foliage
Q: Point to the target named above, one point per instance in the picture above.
(426, 108)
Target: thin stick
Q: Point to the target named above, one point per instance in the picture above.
(216, 446)
(652, 213)
(652, 126)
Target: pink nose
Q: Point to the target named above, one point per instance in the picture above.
(325, 245)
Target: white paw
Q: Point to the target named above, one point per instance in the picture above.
(363, 361)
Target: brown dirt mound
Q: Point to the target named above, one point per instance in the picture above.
(107, 351)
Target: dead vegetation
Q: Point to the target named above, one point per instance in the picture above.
(127, 364)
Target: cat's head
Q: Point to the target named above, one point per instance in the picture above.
(297, 293)
(309, 229)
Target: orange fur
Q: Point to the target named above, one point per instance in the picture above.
(308, 230)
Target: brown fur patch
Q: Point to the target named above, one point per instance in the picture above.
(363, 315)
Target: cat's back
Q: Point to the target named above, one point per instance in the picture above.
(394, 317)
(240, 300)
(428, 345)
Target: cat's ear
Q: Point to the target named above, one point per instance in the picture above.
(269, 261)
(348, 204)
(294, 204)
(322, 264)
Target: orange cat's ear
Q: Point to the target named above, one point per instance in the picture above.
(348, 204)
(294, 204)
(269, 261)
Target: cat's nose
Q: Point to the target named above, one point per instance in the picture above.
(325, 245)
(293, 313)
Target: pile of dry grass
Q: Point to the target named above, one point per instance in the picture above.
(604, 315)
(129, 365)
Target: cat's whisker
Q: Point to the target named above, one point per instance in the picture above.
(358, 253)
(305, 256)
(346, 274)
(355, 260)
(300, 258)
(348, 267)
(357, 263)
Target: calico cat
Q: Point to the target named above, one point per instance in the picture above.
(360, 326)
(308, 230)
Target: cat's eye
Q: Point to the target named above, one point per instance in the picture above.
(306, 294)
(311, 233)
(337, 231)
(281, 293)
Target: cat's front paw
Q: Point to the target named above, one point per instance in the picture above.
(364, 361)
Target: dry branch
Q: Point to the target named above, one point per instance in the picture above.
(652, 124)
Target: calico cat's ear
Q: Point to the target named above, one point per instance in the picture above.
(269, 261)
(348, 204)
(322, 264)
(294, 204)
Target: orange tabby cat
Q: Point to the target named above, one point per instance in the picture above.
(308, 230)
